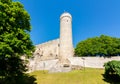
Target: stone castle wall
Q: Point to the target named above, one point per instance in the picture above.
(92, 62)
(48, 50)
(43, 52)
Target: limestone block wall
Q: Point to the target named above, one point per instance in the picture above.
(42, 65)
(43, 55)
(93, 62)
(48, 50)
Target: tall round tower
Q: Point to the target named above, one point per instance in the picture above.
(66, 46)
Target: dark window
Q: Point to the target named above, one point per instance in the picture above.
(58, 45)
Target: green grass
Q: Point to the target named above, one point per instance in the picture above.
(87, 76)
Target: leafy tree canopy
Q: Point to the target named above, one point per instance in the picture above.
(14, 37)
(98, 46)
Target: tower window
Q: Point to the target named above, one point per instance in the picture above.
(58, 45)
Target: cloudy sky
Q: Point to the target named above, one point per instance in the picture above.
(90, 18)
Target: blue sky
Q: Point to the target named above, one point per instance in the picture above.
(90, 18)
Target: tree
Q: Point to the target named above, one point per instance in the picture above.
(14, 38)
(102, 46)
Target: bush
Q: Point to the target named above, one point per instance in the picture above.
(112, 70)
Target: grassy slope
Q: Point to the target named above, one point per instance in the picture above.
(87, 76)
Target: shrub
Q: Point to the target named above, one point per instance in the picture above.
(112, 70)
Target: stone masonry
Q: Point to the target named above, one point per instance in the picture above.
(60, 49)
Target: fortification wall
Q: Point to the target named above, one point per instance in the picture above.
(93, 62)
(43, 52)
(47, 51)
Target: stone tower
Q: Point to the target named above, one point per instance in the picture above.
(66, 46)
